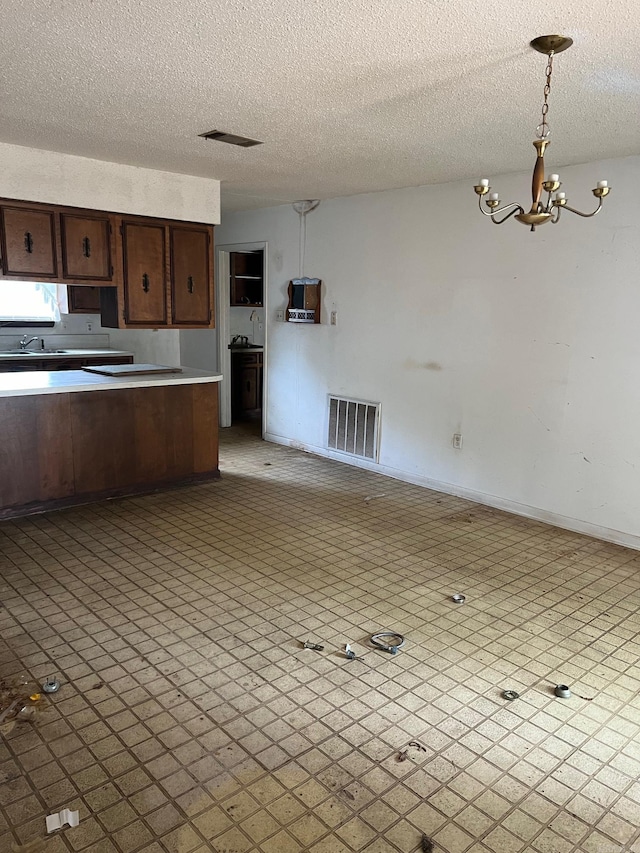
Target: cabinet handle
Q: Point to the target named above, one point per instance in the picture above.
(86, 247)
(145, 282)
(28, 242)
(190, 284)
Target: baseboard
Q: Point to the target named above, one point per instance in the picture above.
(131, 491)
(617, 537)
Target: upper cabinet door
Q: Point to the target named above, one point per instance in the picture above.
(191, 281)
(143, 249)
(28, 242)
(86, 247)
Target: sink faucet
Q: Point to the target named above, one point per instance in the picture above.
(25, 341)
(241, 340)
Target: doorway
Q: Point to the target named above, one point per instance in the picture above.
(241, 294)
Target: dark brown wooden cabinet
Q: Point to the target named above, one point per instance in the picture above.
(69, 362)
(168, 277)
(90, 445)
(190, 276)
(28, 242)
(86, 247)
(42, 242)
(151, 273)
(143, 253)
(246, 384)
(83, 300)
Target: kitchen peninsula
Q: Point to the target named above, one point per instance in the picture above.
(74, 436)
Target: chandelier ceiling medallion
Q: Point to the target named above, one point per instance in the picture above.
(550, 210)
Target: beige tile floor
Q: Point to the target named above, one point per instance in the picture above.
(190, 719)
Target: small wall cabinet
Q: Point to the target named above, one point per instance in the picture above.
(304, 300)
(247, 278)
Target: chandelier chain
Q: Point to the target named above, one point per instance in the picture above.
(543, 128)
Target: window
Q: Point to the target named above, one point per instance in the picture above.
(31, 303)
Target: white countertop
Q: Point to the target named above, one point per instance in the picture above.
(34, 382)
(66, 353)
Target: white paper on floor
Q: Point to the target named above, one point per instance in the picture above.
(57, 821)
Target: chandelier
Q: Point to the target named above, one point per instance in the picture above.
(541, 211)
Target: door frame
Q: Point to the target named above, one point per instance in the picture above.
(223, 298)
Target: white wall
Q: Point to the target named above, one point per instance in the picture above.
(199, 349)
(240, 323)
(32, 174)
(526, 343)
(150, 346)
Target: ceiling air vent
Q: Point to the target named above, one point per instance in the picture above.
(230, 138)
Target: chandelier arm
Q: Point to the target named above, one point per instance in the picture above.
(499, 210)
(585, 215)
(508, 216)
(558, 212)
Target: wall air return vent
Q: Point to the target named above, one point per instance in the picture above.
(230, 138)
(354, 427)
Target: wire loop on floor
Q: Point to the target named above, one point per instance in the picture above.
(392, 648)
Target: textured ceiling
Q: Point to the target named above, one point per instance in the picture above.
(348, 96)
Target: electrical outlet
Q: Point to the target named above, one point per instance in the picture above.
(89, 327)
(260, 327)
(457, 441)
(334, 318)
(280, 316)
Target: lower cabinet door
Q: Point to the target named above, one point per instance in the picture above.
(250, 384)
(246, 384)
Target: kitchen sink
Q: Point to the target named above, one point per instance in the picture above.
(245, 346)
(32, 352)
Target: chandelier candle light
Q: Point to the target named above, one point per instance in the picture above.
(550, 210)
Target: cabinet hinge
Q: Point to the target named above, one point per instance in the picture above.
(111, 271)
(122, 229)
